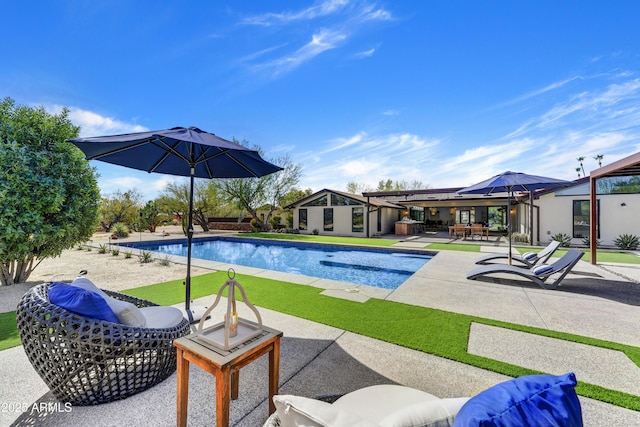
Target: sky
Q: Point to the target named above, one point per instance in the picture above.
(446, 93)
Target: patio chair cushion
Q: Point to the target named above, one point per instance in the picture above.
(529, 256)
(126, 312)
(541, 269)
(160, 317)
(392, 405)
(301, 411)
(81, 301)
(525, 401)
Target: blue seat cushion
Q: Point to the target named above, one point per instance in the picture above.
(533, 400)
(81, 301)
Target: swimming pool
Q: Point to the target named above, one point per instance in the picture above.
(382, 268)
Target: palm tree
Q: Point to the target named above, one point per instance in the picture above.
(581, 159)
(578, 170)
(599, 159)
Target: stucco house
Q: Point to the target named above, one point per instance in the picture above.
(540, 217)
(332, 212)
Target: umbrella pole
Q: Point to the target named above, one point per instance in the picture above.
(189, 238)
(509, 223)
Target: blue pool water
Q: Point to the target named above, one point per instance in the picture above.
(373, 267)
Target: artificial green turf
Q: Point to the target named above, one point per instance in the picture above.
(9, 336)
(454, 247)
(433, 331)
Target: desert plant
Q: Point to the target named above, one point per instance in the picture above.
(115, 252)
(102, 248)
(627, 242)
(120, 229)
(564, 239)
(587, 242)
(165, 261)
(520, 237)
(145, 257)
(128, 255)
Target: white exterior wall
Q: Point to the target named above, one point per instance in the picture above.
(556, 216)
(342, 220)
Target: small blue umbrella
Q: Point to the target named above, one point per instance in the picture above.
(178, 151)
(511, 182)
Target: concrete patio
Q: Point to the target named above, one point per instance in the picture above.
(596, 301)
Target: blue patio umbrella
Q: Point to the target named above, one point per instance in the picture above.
(511, 182)
(178, 151)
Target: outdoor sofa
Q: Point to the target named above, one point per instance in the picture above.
(93, 346)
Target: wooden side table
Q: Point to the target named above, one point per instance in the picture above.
(225, 365)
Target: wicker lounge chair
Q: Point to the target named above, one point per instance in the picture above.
(538, 274)
(528, 259)
(86, 361)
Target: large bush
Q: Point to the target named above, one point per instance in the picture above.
(49, 195)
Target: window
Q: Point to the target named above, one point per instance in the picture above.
(320, 201)
(328, 219)
(357, 220)
(338, 200)
(582, 218)
(302, 219)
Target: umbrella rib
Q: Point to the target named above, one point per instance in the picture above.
(116, 151)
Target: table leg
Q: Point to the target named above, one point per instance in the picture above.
(274, 374)
(235, 383)
(183, 388)
(223, 386)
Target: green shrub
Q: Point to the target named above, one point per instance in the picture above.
(115, 252)
(120, 229)
(256, 226)
(128, 255)
(315, 231)
(102, 248)
(627, 242)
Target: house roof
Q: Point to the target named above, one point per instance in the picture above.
(372, 200)
(629, 166)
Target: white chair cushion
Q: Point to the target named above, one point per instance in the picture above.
(297, 411)
(378, 401)
(126, 312)
(433, 413)
(161, 317)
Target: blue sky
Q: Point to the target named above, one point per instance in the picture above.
(446, 93)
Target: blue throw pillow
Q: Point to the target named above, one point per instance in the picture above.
(81, 301)
(533, 400)
(529, 256)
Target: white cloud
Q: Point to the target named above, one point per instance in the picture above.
(366, 53)
(320, 42)
(94, 124)
(320, 9)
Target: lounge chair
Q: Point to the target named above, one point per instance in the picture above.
(528, 259)
(537, 274)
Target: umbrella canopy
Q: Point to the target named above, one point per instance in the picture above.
(178, 151)
(511, 182)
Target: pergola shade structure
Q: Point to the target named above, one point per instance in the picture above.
(629, 166)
